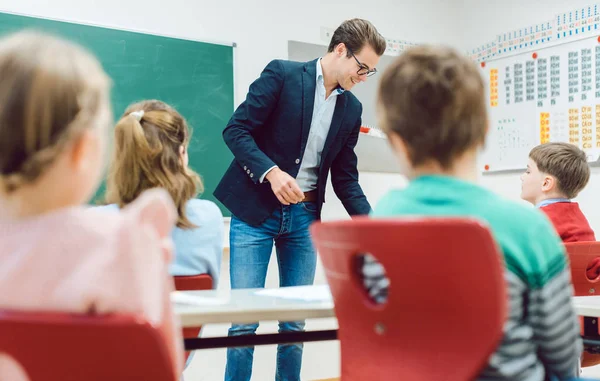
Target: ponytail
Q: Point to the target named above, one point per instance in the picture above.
(131, 157)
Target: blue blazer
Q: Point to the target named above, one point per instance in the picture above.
(271, 128)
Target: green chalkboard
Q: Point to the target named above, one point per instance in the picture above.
(194, 77)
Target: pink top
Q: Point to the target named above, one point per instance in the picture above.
(85, 260)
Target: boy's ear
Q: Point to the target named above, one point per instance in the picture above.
(548, 183)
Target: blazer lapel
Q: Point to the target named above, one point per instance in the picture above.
(336, 122)
(309, 84)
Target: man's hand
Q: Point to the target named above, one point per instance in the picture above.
(285, 187)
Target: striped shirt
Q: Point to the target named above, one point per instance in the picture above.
(541, 334)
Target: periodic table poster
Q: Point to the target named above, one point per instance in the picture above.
(544, 93)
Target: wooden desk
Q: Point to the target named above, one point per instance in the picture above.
(196, 308)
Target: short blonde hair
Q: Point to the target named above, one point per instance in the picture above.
(147, 156)
(433, 98)
(50, 90)
(565, 162)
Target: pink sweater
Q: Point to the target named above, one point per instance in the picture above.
(85, 260)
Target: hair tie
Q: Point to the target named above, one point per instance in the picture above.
(138, 115)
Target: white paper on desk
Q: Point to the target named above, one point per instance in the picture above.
(319, 293)
(196, 300)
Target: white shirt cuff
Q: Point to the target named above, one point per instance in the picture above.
(262, 178)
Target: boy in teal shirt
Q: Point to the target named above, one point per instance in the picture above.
(433, 109)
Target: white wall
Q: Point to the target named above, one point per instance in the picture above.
(261, 29)
(485, 22)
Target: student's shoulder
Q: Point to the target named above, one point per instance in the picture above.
(95, 230)
(391, 204)
(520, 214)
(153, 208)
(97, 220)
(206, 215)
(518, 220)
(532, 248)
(205, 208)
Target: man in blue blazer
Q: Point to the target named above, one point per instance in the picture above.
(298, 122)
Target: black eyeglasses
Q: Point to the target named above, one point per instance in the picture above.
(363, 69)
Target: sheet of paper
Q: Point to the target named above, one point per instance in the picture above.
(196, 300)
(319, 293)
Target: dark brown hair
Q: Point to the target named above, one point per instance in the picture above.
(147, 155)
(433, 98)
(566, 162)
(355, 34)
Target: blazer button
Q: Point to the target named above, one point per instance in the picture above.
(252, 175)
(245, 168)
(297, 161)
(248, 171)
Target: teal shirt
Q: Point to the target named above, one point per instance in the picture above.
(541, 334)
(532, 249)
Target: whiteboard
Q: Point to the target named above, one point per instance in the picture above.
(547, 95)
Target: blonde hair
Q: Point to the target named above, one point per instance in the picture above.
(566, 162)
(147, 155)
(50, 90)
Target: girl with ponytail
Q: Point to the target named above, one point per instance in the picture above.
(151, 151)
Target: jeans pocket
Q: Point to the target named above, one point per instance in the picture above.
(310, 207)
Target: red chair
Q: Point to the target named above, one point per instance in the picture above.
(192, 283)
(446, 305)
(581, 256)
(70, 347)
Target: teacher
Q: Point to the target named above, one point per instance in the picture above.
(298, 122)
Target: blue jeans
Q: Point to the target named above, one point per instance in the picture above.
(250, 251)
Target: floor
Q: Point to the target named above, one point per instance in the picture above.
(321, 360)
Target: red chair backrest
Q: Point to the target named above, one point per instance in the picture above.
(192, 283)
(69, 347)
(581, 254)
(446, 305)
